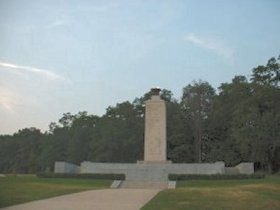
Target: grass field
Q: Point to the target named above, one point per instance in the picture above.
(20, 189)
(220, 195)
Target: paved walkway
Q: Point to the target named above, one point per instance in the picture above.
(107, 199)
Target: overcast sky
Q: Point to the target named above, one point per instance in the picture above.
(59, 56)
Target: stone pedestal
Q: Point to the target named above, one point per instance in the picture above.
(155, 130)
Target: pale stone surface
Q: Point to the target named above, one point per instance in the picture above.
(116, 184)
(157, 172)
(242, 168)
(107, 199)
(171, 184)
(231, 170)
(245, 168)
(133, 172)
(155, 130)
(197, 168)
(64, 167)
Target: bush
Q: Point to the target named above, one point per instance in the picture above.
(82, 176)
(178, 177)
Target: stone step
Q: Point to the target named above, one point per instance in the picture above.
(171, 184)
(116, 184)
(144, 185)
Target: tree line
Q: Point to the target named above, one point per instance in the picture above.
(238, 122)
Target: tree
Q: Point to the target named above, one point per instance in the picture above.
(119, 136)
(179, 135)
(222, 145)
(8, 147)
(66, 120)
(27, 150)
(256, 126)
(244, 123)
(240, 123)
(269, 74)
(81, 137)
(196, 102)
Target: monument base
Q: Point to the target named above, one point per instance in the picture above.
(153, 171)
(154, 162)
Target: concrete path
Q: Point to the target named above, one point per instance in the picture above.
(106, 199)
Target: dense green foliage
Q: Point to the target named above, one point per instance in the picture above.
(21, 189)
(251, 194)
(239, 122)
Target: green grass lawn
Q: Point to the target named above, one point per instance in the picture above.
(20, 189)
(253, 194)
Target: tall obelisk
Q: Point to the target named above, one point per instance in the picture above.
(155, 128)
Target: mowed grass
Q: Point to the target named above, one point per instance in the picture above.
(220, 195)
(20, 189)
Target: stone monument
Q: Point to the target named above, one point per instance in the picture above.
(155, 128)
(155, 168)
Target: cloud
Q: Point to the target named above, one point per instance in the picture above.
(7, 100)
(6, 105)
(214, 45)
(57, 23)
(93, 8)
(64, 20)
(28, 69)
(68, 18)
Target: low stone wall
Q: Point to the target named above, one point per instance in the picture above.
(64, 167)
(132, 171)
(242, 168)
(245, 168)
(197, 168)
(149, 171)
(152, 171)
(231, 170)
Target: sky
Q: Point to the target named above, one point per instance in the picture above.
(59, 56)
